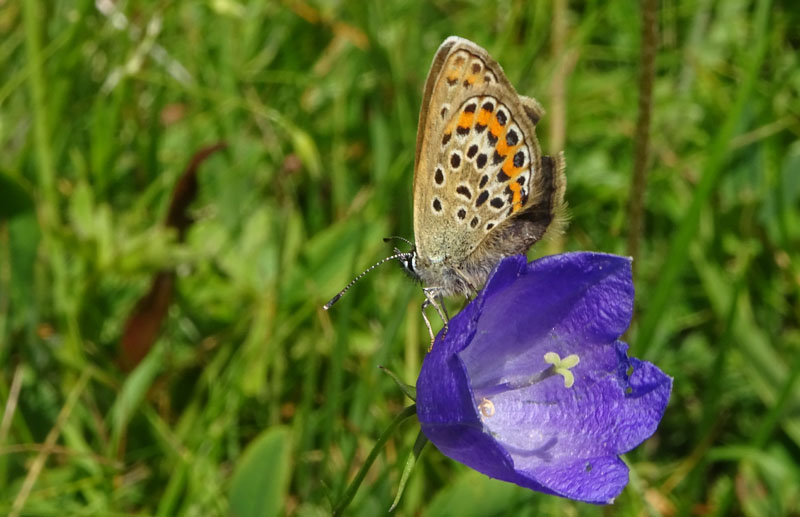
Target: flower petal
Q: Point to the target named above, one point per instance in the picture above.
(593, 480)
(487, 396)
(567, 303)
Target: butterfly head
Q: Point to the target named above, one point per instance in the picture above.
(409, 263)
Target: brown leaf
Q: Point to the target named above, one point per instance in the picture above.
(144, 322)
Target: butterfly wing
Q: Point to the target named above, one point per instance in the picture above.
(482, 190)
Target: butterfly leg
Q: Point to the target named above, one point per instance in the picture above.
(427, 322)
(446, 318)
(433, 298)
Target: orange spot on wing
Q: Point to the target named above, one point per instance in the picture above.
(471, 79)
(508, 165)
(465, 120)
(497, 130)
(504, 149)
(484, 117)
(516, 196)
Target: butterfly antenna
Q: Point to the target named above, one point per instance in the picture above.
(359, 277)
(387, 239)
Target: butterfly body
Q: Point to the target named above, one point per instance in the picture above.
(482, 189)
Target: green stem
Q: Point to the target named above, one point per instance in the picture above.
(348, 495)
(32, 18)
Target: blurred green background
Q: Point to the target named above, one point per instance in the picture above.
(254, 401)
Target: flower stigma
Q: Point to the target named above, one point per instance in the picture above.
(562, 366)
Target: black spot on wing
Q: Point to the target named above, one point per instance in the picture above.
(502, 118)
(512, 138)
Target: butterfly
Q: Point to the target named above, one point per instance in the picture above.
(482, 188)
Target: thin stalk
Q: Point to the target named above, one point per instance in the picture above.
(348, 495)
(641, 149)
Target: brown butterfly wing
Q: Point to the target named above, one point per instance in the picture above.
(480, 183)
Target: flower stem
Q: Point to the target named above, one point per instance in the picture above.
(348, 495)
(642, 139)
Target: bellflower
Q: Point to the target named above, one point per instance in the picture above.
(532, 385)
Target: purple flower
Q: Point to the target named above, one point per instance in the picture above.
(531, 384)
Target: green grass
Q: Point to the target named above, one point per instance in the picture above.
(254, 399)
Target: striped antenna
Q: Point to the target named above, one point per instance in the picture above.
(387, 239)
(359, 277)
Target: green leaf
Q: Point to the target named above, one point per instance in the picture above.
(132, 393)
(261, 478)
(411, 462)
(407, 389)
